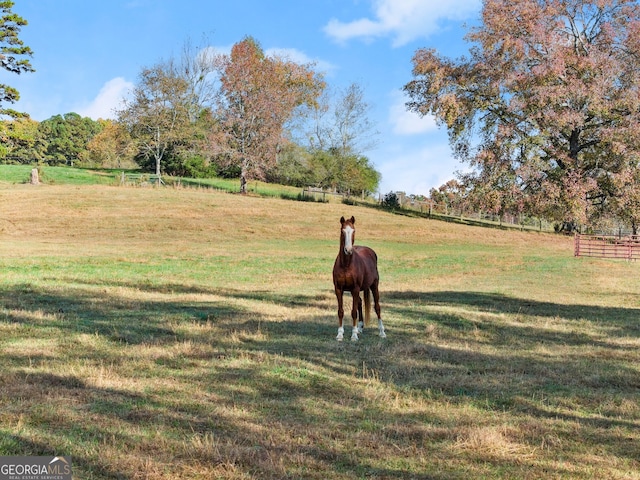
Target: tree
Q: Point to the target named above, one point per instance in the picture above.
(626, 204)
(355, 132)
(548, 100)
(325, 166)
(12, 53)
(360, 177)
(452, 195)
(391, 201)
(197, 66)
(339, 132)
(170, 114)
(63, 139)
(17, 140)
(113, 147)
(352, 174)
(158, 115)
(340, 122)
(259, 95)
(293, 167)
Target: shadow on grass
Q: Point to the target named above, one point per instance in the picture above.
(120, 319)
(57, 405)
(19, 445)
(271, 396)
(621, 318)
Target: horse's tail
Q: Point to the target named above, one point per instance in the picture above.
(367, 306)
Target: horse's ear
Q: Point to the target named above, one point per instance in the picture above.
(353, 219)
(342, 220)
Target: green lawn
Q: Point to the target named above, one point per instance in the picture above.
(62, 175)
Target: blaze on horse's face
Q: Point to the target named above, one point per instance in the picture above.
(349, 233)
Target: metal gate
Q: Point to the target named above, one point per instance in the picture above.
(607, 246)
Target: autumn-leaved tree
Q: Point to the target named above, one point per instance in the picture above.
(547, 106)
(259, 95)
(12, 53)
(626, 203)
(113, 147)
(17, 140)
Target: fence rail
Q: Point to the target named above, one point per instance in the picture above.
(140, 179)
(607, 246)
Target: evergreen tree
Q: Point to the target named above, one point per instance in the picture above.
(12, 53)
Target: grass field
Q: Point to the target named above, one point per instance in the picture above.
(164, 334)
(64, 175)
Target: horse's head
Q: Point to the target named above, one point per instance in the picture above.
(348, 235)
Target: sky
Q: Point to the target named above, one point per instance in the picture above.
(88, 55)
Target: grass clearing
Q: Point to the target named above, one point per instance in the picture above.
(162, 333)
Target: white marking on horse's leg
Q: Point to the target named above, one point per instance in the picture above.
(381, 329)
(340, 334)
(354, 334)
(360, 326)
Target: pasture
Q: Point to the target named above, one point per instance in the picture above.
(177, 334)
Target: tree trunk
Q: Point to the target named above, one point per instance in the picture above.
(243, 179)
(243, 183)
(158, 155)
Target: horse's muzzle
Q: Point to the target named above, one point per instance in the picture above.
(348, 251)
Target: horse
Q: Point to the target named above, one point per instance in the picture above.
(356, 270)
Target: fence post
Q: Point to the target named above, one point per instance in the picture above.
(576, 245)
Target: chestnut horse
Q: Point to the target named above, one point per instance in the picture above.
(355, 271)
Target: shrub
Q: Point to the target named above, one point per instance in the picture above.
(390, 201)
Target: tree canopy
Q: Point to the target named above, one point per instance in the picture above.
(259, 95)
(12, 53)
(546, 108)
(58, 140)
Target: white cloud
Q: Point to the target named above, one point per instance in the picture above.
(109, 98)
(404, 20)
(404, 122)
(417, 170)
(220, 50)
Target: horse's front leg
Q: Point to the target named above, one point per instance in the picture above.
(339, 294)
(355, 293)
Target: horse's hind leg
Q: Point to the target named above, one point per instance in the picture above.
(339, 295)
(376, 306)
(360, 317)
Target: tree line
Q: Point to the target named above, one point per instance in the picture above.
(204, 114)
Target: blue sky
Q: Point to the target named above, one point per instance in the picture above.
(88, 54)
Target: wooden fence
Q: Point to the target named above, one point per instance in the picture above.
(139, 179)
(607, 246)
